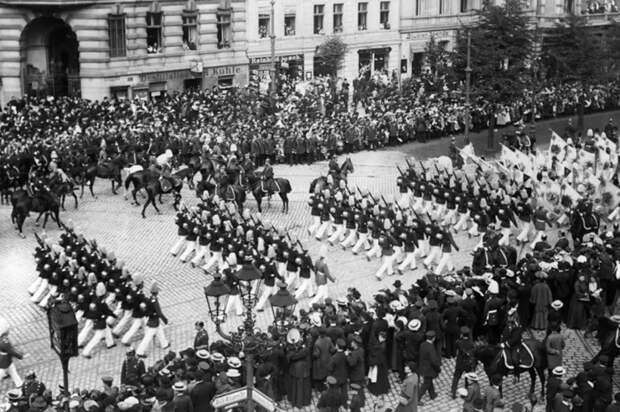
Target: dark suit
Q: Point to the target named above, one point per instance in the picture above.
(202, 394)
(355, 360)
(339, 370)
(429, 368)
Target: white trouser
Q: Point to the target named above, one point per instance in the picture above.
(615, 214)
(290, 278)
(417, 204)
(189, 249)
(361, 241)
(505, 239)
(282, 269)
(45, 300)
(439, 211)
(97, 337)
(525, 232)
(321, 294)
(450, 218)
(398, 253)
(149, 333)
(404, 199)
(322, 229)
(40, 292)
(386, 267)
(83, 335)
(267, 291)
(409, 260)
(445, 262)
(203, 250)
(316, 222)
(11, 370)
(136, 324)
(375, 250)
(461, 223)
(79, 315)
(234, 303)
(537, 238)
(564, 218)
(349, 240)
(338, 234)
(433, 256)
(214, 262)
(422, 249)
(305, 286)
(120, 326)
(35, 285)
(178, 245)
(473, 231)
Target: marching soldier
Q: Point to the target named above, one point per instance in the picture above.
(154, 326)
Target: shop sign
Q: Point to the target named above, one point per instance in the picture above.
(222, 71)
(427, 35)
(165, 76)
(281, 59)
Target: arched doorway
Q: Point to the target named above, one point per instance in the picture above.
(50, 58)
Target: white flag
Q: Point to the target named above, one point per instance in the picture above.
(557, 145)
(467, 151)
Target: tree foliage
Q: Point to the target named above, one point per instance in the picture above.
(572, 51)
(501, 47)
(330, 56)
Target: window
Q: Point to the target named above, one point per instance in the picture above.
(190, 30)
(464, 6)
(116, 33)
(440, 6)
(224, 28)
(338, 18)
(153, 32)
(417, 7)
(362, 16)
(318, 18)
(289, 25)
(384, 14)
(263, 25)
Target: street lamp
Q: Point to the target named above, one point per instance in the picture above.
(468, 87)
(272, 37)
(217, 294)
(63, 329)
(282, 305)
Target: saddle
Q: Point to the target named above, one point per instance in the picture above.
(166, 184)
(520, 356)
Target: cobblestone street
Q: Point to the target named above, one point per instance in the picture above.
(145, 243)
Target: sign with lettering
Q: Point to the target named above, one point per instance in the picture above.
(222, 71)
(281, 59)
(165, 76)
(263, 400)
(427, 35)
(230, 398)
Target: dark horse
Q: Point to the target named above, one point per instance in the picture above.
(155, 185)
(492, 358)
(261, 188)
(583, 221)
(228, 192)
(318, 184)
(110, 169)
(44, 202)
(62, 189)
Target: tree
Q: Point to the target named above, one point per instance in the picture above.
(573, 52)
(501, 46)
(438, 62)
(329, 57)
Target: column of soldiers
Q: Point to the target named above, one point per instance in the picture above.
(419, 227)
(217, 239)
(101, 290)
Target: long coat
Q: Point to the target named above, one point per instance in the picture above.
(541, 297)
(430, 362)
(410, 392)
(555, 344)
(321, 355)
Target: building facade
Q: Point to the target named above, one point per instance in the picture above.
(368, 28)
(124, 48)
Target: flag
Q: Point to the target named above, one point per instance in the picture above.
(508, 156)
(467, 151)
(556, 144)
(526, 163)
(586, 158)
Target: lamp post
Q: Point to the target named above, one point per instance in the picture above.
(217, 294)
(468, 87)
(272, 37)
(282, 305)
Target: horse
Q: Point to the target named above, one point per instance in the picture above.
(343, 171)
(260, 188)
(583, 221)
(43, 202)
(493, 361)
(62, 189)
(231, 193)
(110, 169)
(159, 186)
(608, 336)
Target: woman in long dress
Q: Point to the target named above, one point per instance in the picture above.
(300, 386)
(577, 311)
(377, 360)
(541, 298)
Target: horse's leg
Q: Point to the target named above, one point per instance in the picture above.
(282, 197)
(36, 221)
(152, 199)
(45, 219)
(91, 183)
(20, 224)
(145, 205)
(113, 188)
(258, 202)
(532, 372)
(133, 193)
(82, 188)
(541, 375)
(62, 201)
(161, 202)
(75, 199)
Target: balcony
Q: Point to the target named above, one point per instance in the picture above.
(48, 3)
